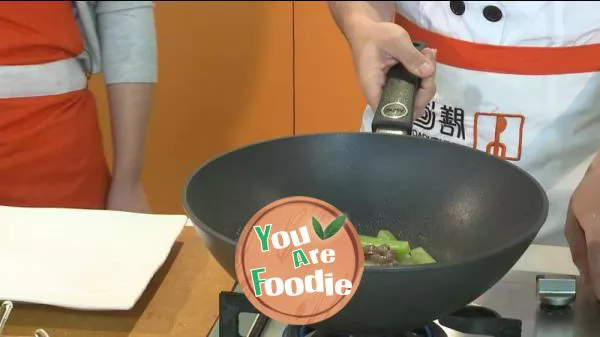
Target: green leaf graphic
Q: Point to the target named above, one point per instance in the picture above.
(318, 229)
(334, 226)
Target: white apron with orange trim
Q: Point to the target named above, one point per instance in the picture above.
(520, 80)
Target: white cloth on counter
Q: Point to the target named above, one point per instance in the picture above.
(82, 259)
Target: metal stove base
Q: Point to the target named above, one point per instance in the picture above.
(246, 322)
(516, 296)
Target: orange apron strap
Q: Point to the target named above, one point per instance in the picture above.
(506, 59)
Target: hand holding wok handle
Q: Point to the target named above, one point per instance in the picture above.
(395, 111)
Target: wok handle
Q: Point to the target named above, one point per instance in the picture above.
(395, 111)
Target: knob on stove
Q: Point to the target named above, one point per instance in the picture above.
(556, 291)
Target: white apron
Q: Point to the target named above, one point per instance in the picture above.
(536, 107)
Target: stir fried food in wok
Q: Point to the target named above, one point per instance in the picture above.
(385, 249)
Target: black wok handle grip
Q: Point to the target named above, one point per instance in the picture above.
(395, 111)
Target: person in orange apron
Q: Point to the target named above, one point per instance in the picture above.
(51, 152)
(518, 80)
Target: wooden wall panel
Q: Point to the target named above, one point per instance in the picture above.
(234, 73)
(226, 80)
(327, 95)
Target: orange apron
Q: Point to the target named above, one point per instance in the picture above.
(51, 152)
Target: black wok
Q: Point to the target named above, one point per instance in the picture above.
(474, 213)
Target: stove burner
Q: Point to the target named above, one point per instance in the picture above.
(297, 331)
(473, 311)
(482, 321)
(473, 320)
(427, 331)
(431, 330)
(553, 310)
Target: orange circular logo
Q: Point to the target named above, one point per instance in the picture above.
(299, 260)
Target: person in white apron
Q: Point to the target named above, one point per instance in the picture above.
(519, 80)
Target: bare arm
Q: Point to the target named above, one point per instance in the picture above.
(349, 15)
(128, 42)
(130, 105)
(595, 164)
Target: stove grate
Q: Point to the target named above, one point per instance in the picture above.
(304, 331)
(474, 320)
(482, 321)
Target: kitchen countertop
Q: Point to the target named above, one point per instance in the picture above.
(182, 298)
(547, 259)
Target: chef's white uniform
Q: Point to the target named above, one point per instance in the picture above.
(520, 80)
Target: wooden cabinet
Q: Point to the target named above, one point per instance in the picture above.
(234, 73)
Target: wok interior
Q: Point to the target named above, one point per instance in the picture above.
(451, 200)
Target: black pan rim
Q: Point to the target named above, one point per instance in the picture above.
(526, 239)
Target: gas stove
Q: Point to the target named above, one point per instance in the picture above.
(522, 304)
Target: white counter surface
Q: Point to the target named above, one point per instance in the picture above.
(547, 259)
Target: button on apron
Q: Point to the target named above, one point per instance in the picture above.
(492, 13)
(457, 7)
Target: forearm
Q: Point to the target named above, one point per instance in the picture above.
(595, 165)
(130, 105)
(348, 15)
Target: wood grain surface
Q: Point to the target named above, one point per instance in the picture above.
(181, 300)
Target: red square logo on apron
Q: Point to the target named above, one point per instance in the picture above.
(506, 137)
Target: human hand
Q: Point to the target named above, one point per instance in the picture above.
(376, 47)
(127, 196)
(582, 229)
